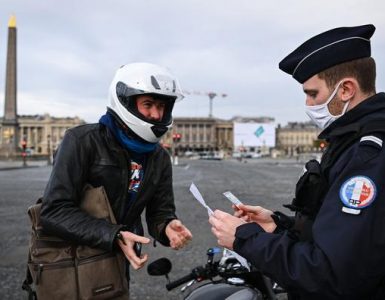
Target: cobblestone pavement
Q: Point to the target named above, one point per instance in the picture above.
(265, 182)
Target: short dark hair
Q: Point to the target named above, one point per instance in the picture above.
(363, 69)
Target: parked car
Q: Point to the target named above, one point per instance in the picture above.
(210, 156)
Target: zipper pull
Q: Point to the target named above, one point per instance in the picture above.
(38, 275)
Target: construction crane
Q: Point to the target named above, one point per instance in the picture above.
(211, 96)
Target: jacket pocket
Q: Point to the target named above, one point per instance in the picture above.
(62, 273)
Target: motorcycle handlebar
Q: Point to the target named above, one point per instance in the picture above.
(198, 272)
(184, 279)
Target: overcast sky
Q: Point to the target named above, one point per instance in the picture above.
(68, 51)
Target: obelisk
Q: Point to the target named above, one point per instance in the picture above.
(10, 139)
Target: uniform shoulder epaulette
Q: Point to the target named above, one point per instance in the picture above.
(371, 140)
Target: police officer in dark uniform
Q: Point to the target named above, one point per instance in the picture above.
(334, 246)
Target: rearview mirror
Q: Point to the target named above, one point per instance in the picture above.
(161, 266)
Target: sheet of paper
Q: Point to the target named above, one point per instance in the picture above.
(229, 195)
(194, 190)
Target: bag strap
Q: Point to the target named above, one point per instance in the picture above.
(27, 283)
(28, 280)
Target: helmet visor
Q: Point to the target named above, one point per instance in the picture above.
(127, 97)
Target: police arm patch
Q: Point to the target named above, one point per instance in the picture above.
(358, 192)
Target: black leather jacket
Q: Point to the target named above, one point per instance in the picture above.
(90, 154)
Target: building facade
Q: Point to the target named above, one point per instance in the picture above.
(206, 134)
(42, 133)
(296, 138)
(200, 135)
(225, 136)
(196, 134)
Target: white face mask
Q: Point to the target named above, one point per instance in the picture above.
(321, 115)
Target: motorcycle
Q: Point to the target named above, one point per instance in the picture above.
(227, 278)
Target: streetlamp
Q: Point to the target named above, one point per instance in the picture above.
(175, 139)
(24, 151)
(49, 162)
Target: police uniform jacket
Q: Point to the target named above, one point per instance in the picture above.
(89, 154)
(345, 259)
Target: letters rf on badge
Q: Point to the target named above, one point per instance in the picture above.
(356, 193)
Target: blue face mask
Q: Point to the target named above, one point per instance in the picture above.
(321, 115)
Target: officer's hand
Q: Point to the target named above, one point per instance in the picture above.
(128, 248)
(257, 214)
(224, 226)
(178, 234)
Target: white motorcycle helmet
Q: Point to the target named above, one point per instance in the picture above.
(136, 79)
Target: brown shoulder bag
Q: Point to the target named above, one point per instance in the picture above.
(60, 270)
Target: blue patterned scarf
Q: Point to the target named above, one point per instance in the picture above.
(127, 142)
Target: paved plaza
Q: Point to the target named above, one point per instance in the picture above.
(265, 182)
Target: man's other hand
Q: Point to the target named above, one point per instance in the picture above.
(178, 234)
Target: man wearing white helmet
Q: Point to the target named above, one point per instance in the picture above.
(141, 79)
(122, 154)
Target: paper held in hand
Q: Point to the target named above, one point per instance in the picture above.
(194, 190)
(197, 195)
(229, 195)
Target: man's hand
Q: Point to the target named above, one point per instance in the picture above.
(224, 226)
(128, 248)
(257, 214)
(178, 234)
